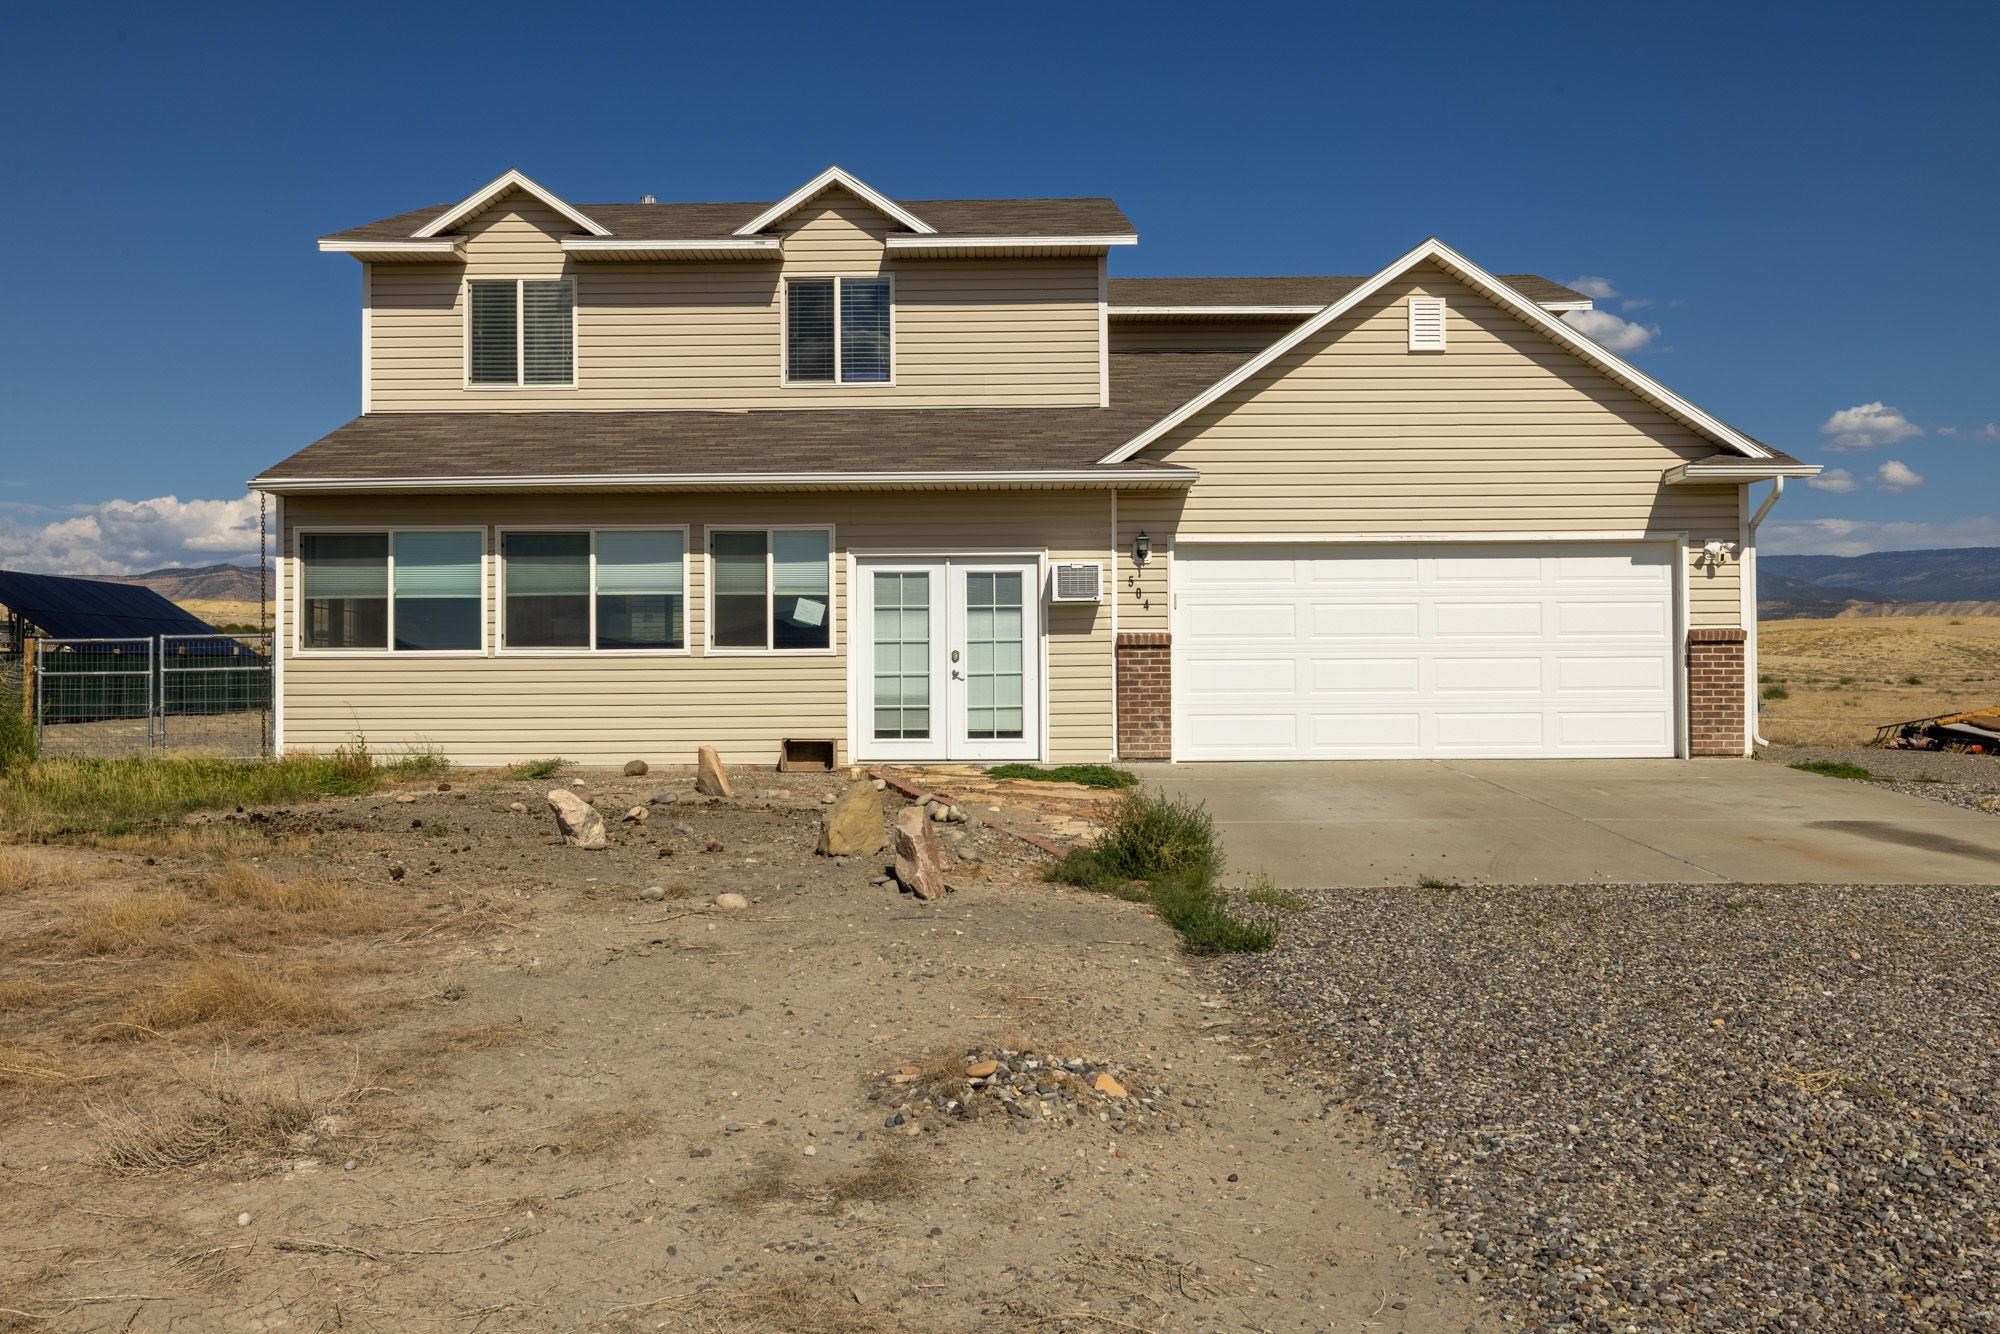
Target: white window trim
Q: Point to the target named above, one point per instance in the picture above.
(520, 336)
(297, 595)
(590, 650)
(711, 649)
(839, 280)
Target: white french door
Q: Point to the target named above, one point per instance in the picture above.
(947, 659)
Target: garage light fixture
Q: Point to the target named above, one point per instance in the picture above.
(1142, 548)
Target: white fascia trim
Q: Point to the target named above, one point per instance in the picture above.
(509, 180)
(835, 176)
(1019, 242)
(388, 249)
(1747, 471)
(1169, 312)
(585, 245)
(1366, 539)
(1500, 294)
(1096, 475)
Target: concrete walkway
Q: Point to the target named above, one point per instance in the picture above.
(1570, 821)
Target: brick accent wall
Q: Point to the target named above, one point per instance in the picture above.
(1145, 695)
(1715, 692)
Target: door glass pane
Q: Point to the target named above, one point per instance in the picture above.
(902, 656)
(994, 618)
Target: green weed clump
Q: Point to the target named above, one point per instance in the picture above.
(117, 796)
(544, 768)
(1088, 775)
(1835, 769)
(17, 737)
(1162, 850)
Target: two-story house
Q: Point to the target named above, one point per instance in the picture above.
(918, 478)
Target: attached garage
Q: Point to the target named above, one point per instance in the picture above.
(1411, 650)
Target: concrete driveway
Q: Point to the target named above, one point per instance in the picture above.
(1571, 821)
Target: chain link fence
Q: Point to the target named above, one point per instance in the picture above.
(115, 697)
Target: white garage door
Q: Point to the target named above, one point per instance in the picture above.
(1383, 652)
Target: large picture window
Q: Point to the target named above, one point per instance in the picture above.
(521, 333)
(409, 591)
(610, 589)
(838, 331)
(771, 588)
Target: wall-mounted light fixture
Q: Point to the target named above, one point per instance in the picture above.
(1142, 548)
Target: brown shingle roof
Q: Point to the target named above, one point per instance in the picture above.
(1145, 386)
(1295, 291)
(684, 222)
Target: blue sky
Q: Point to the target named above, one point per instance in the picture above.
(1793, 204)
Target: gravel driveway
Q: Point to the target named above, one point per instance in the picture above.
(1971, 781)
(1703, 1106)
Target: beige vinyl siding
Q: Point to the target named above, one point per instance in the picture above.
(1141, 335)
(1503, 432)
(968, 333)
(606, 708)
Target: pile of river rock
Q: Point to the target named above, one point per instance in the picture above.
(1034, 1088)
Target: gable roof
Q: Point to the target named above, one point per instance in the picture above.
(831, 178)
(804, 447)
(1300, 292)
(67, 608)
(1502, 295)
(1090, 216)
(478, 201)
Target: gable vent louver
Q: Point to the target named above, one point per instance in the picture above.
(1426, 324)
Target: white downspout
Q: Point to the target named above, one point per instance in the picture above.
(1749, 574)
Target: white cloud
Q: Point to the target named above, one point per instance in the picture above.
(1598, 289)
(1991, 431)
(131, 536)
(1866, 425)
(1635, 303)
(1838, 480)
(1947, 430)
(1895, 475)
(1857, 537)
(1610, 332)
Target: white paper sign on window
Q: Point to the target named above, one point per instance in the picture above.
(808, 611)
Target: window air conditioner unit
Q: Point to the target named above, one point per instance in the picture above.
(1077, 581)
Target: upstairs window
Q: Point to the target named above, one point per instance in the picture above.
(521, 333)
(837, 331)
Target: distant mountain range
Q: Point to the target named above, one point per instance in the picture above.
(1958, 581)
(204, 583)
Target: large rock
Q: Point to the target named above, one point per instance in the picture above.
(581, 825)
(918, 868)
(635, 768)
(710, 778)
(852, 826)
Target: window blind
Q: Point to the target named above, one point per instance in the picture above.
(809, 329)
(345, 565)
(799, 563)
(864, 330)
(638, 563)
(548, 565)
(495, 343)
(438, 565)
(739, 564)
(547, 331)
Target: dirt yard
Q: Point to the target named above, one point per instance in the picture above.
(1841, 679)
(406, 1062)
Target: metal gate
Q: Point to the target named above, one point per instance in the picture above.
(111, 697)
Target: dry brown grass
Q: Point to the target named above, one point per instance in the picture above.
(207, 841)
(23, 869)
(26, 993)
(212, 1113)
(151, 922)
(775, 1178)
(1847, 676)
(236, 996)
(594, 1132)
(794, 1302)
